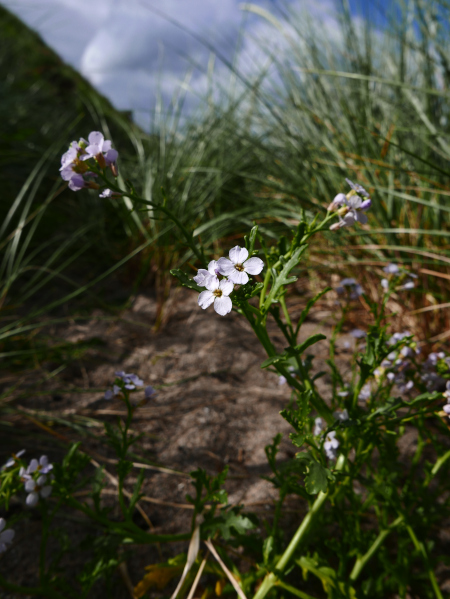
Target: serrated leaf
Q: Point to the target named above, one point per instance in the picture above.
(316, 479)
(229, 523)
(185, 280)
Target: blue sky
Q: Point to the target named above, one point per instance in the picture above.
(130, 52)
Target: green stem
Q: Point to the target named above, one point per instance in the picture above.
(272, 579)
(293, 590)
(421, 548)
(362, 560)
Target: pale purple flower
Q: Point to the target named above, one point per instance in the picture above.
(358, 188)
(203, 275)
(352, 212)
(342, 416)
(385, 284)
(282, 380)
(108, 193)
(36, 488)
(6, 536)
(398, 337)
(338, 201)
(408, 285)
(239, 266)
(13, 459)
(358, 333)
(391, 269)
(318, 426)
(100, 147)
(217, 293)
(149, 392)
(331, 445)
(131, 381)
(43, 465)
(365, 393)
(76, 182)
(351, 287)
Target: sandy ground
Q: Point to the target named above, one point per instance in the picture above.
(215, 406)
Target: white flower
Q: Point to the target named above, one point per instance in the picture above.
(34, 488)
(282, 380)
(385, 284)
(238, 265)
(6, 536)
(330, 446)
(338, 201)
(203, 275)
(218, 293)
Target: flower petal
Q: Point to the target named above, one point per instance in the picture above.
(32, 499)
(212, 268)
(205, 299)
(33, 466)
(223, 305)
(212, 283)
(46, 491)
(201, 276)
(238, 255)
(106, 145)
(226, 286)
(254, 266)
(30, 486)
(240, 278)
(111, 156)
(96, 138)
(225, 266)
(7, 536)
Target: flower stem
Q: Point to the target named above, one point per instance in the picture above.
(421, 548)
(362, 560)
(272, 579)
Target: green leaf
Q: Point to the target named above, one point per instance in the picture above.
(317, 478)
(231, 523)
(250, 240)
(268, 547)
(282, 278)
(291, 352)
(185, 280)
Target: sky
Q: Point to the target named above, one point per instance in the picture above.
(136, 51)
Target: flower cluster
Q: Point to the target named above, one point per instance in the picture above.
(351, 287)
(331, 444)
(36, 479)
(13, 460)
(81, 155)
(128, 382)
(235, 271)
(398, 276)
(350, 207)
(446, 394)
(6, 536)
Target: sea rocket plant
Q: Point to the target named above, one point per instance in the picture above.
(218, 293)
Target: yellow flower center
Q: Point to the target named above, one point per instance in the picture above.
(218, 293)
(239, 267)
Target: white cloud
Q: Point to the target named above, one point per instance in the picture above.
(131, 53)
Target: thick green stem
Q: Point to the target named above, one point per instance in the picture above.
(272, 579)
(362, 561)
